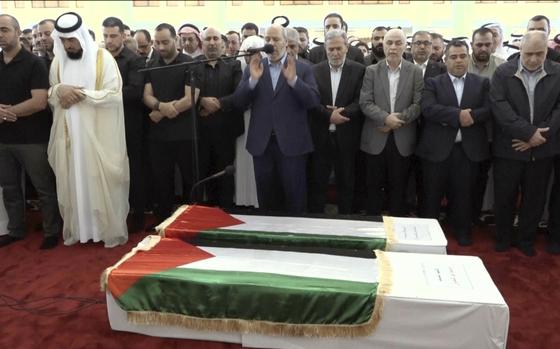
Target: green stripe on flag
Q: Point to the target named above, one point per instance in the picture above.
(252, 296)
(248, 237)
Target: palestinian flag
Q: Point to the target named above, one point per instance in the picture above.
(167, 281)
(209, 226)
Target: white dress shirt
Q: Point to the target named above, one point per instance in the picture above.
(394, 76)
(458, 85)
(336, 74)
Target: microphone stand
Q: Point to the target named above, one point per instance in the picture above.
(193, 102)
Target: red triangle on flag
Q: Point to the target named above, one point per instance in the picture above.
(199, 218)
(167, 254)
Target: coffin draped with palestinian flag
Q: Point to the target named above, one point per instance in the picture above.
(202, 225)
(167, 281)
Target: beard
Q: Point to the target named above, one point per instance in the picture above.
(378, 50)
(75, 55)
(482, 57)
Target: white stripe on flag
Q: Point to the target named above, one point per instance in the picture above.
(288, 263)
(310, 226)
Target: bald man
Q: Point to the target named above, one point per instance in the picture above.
(220, 121)
(390, 101)
(525, 101)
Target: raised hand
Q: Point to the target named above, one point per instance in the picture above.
(256, 67)
(289, 68)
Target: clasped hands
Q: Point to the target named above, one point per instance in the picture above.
(209, 105)
(336, 117)
(68, 95)
(536, 139)
(6, 114)
(393, 121)
(166, 110)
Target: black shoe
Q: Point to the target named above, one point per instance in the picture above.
(49, 242)
(479, 222)
(152, 228)
(529, 251)
(136, 224)
(8, 239)
(464, 240)
(553, 248)
(501, 246)
(463, 237)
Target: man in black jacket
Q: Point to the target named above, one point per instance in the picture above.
(420, 56)
(336, 125)
(133, 85)
(540, 23)
(454, 141)
(220, 122)
(334, 21)
(526, 104)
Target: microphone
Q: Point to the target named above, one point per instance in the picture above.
(228, 171)
(268, 48)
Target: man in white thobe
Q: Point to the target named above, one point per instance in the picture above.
(87, 148)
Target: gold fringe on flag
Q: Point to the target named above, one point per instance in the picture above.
(384, 284)
(389, 225)
(163, 225)
(251, 326)
(275, 328)
(145, 245)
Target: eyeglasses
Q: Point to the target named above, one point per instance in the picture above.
(419, 43)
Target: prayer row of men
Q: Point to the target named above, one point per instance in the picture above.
(286, 118)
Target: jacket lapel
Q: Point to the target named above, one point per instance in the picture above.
(282, 80)
(342, 85)
(466, 87)
(384, 77)
(404, 75)
(325, 76)
(266, 79)
(449, 87)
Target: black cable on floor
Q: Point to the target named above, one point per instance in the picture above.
(36, 306)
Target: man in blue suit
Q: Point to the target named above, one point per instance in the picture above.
(280, 91)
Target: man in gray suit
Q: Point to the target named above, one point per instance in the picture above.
(390, 101)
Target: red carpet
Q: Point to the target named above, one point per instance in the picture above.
(51, 299)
